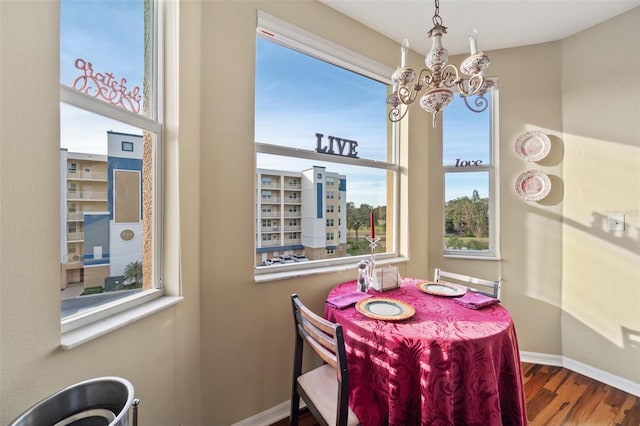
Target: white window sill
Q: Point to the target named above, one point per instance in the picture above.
(84, 334)
(303, 272)
(469, 256)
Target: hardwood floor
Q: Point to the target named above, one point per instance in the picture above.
(557, 396)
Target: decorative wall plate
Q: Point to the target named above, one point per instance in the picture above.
(532, 146)
(383, 308)
(532, 185)
(441, 288)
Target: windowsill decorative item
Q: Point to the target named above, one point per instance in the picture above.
(373, 243)
(381, 279)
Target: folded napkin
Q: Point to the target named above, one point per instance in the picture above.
(474, 300)
(346, 300)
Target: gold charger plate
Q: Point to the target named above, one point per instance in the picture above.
(441, 288)
(384, 308)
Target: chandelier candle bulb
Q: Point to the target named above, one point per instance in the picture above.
(404, 49)
(473, 42)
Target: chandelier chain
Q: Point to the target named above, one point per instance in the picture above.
(437, 20)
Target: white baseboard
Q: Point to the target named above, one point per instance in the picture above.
(281, 411)
(268, 417)
(586, 370)
(543, 359)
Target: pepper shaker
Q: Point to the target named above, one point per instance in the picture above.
(363, 276)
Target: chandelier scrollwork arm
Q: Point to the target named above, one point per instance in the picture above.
(407, 95)
(472, 87)
(450, 76)
(396, 114)
(479, 103)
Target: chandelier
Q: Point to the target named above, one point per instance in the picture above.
(439, 78)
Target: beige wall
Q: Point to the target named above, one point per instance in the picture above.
(247, 331)
(224, 354)
(530, 232)
(531, 97)
(160, 354)
(601, 174)
(571, 285)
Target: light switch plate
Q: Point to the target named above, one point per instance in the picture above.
(615, 221)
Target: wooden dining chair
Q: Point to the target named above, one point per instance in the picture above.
(486, 287)
(324, 389)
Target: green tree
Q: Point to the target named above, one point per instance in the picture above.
(133, 272)
(479, 216)
(468, 216)
(353, 220)
(358, 217)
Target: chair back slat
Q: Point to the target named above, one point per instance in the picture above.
(487, 287)
(320, 344)
(319, 322)
(319, 329)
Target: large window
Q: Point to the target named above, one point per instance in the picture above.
(320, 121)
(110, 148)
(469, 177)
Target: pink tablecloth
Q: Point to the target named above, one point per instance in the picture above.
(446, 365)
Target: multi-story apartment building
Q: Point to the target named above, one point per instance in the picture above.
(101, 211)
(84, 188)
(300, 213)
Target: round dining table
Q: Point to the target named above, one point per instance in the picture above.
(446, 364)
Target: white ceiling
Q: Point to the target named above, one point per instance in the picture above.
(499, 23)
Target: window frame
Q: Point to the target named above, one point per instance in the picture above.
(153, 124)
(493, 252)
(295, 38)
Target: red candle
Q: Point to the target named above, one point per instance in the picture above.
(373, 221)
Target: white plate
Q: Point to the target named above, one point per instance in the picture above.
(532, 146)
(442, 288)
(532, 185)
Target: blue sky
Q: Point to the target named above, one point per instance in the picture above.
(109, 34)
(465, 132)
(296, 97)
(466, 135)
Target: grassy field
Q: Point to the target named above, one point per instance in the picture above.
(359, 246)
(470, 243)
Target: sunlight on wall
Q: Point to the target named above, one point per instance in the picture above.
(539, 260)
(600, 293)
(601, 280)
